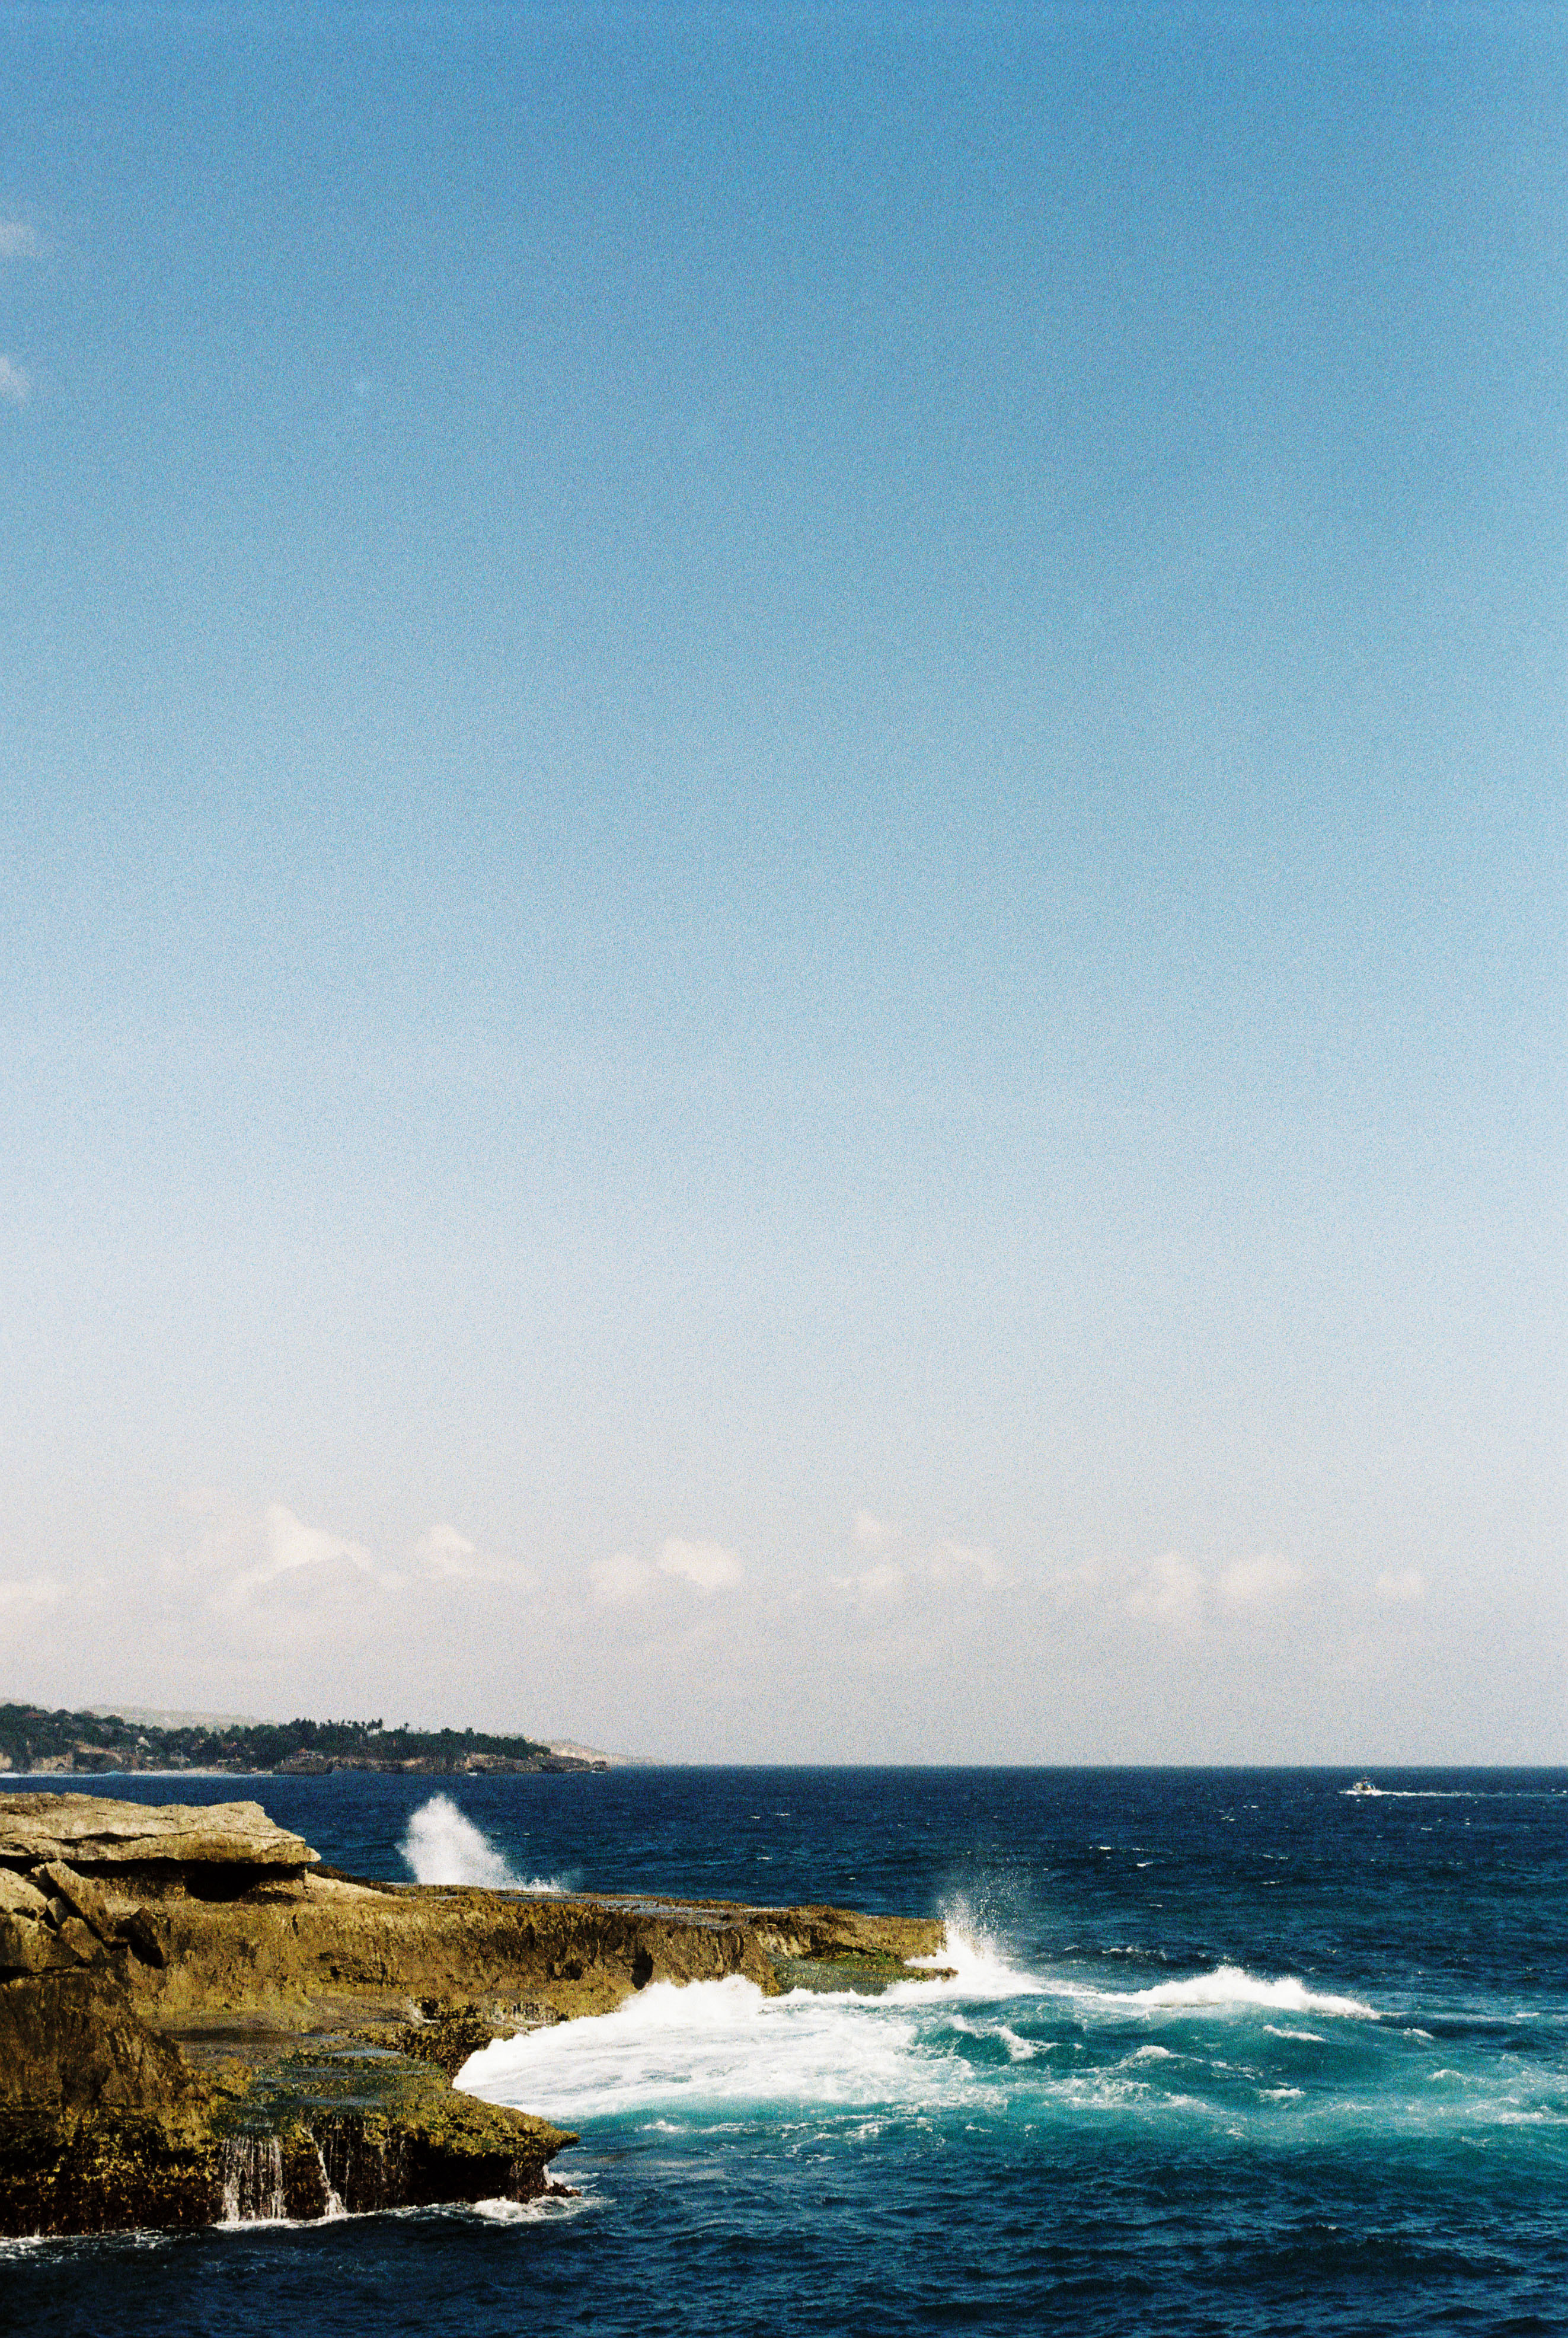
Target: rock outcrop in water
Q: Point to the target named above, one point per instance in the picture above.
(200, 2022)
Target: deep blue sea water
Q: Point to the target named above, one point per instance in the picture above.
(1230, 2052)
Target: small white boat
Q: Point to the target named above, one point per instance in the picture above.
(1362, 1786)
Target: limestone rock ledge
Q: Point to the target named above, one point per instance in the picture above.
(201, 2023)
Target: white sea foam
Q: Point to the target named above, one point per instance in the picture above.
(722, 2048)
(549, 2208)
(1229, 1987)
(718, 2043)
(443, 1846)
(723, 2043)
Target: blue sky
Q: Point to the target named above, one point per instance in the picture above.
(783, 873)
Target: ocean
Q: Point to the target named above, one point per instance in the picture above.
(1227, 2051)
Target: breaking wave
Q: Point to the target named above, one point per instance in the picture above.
(719, 2045)
(722, 2044)
(970, 1963)
(717, 2048)
(442, 1846)
(1227, 1988)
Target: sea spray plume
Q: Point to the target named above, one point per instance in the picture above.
(979, 1969)
(442, 1846)
(974, 1959)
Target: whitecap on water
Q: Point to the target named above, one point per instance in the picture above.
(1226, 1989)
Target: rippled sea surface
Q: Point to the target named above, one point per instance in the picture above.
(1226, 2051)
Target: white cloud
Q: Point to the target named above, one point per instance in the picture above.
(958, 1562)
(282, 1548)
(443, 1551)
(291, 1544)
(871, 1533)
(964, 1565)
(1402, 1585)
(1172, 1589)
(622, 1577)
(244, 1564)
(1254, 1582)
(16, 386)
(37, 1591)
(206, 1502)
(17, 240)
(707, 1565)
(878, 1585)
(1073, 1585)
(443, 1555)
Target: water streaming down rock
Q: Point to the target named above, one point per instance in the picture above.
(334, 2207)
(251, 2167)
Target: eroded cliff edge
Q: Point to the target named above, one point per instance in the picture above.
(198, 2022)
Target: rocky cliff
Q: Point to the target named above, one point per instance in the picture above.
(200, 2022)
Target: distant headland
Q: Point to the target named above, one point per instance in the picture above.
(33, 1739)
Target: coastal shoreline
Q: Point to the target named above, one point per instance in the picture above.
(202, 2023)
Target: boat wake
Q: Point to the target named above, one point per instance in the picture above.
(1364, 1791)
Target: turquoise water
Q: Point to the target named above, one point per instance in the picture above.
(1227, 2051)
